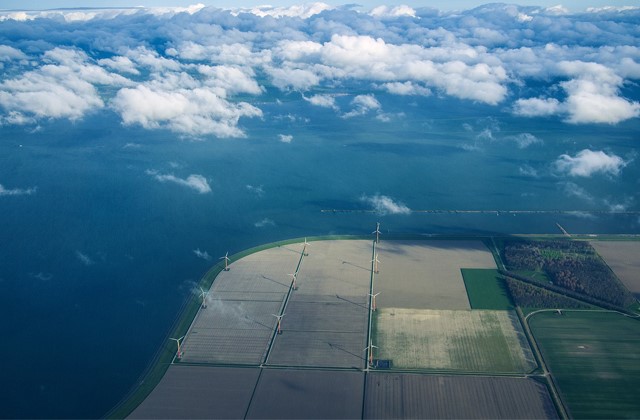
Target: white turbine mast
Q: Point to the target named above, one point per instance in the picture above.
(226, 261)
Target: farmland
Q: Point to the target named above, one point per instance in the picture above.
(486, 289)
(473, 341)
(623, 259)
(455, 397)
(316, 367)
(426, 274)
(595, 360)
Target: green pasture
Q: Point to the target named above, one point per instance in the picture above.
(594, 357)
(486, 289)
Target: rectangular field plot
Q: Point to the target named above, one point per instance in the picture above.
(470, 341)
(200, 392)
(336, 268)
(325, 331)
(486, 290)
(307, 394)
(264, 271)
(426, 274)
(595, 360)
(411, 396)
(623, 259)
(231, 331)
(318, 349)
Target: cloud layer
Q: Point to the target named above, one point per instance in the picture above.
(199, 71)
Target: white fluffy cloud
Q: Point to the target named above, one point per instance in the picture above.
(362, 104)
(588, 162)
(64, 86)
(196, 111)
(285, 138)
(383, 204)
(201, 63)
(194, 181)
(325, 101)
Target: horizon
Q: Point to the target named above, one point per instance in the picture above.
(442, 5)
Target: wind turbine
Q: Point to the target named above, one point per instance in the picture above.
(375, 262)
(203, 295)
(373, 301)
(226, 261)
(377, 232)
(304, 249)
(279, 318)
(177, 340)
(370, 348)
(294, 276)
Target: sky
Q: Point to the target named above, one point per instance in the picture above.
(573, 5)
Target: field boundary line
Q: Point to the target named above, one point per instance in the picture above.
(555, 394)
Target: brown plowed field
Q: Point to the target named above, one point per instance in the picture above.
(409, 396)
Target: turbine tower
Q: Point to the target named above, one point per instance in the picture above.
(373, 301)
(203, 295)
(178, 340)
(370, 350)
(226, 261)
(279, 318)
(294, 276)
(375, 262)
(377, 232)
(304, 249)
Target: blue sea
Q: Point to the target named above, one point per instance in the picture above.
(97, 260)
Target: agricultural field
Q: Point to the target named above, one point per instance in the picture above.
(470, 341)
(594, 357)
(410, 396)
(486, 289)
(307, 394)
(623, 259)
(426, 274)
(200, 392)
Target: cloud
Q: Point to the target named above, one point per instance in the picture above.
(386, 11)
(198, 71)
(524, 140)
(266, 222)
(325, 101)
(592, 96)
(405, 88)
(285, 138)
(363, 104)
(574, 190)
(202, 254)
(84, 258)
(193, 181)
(536, 107)
(528, 171)
(257, 190)
(588, 162)
(16, 191)
(63, 86)
(385, 205)
(197, 111)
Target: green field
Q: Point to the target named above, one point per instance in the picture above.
(486, 289)
(595, 360)
(468, 341)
